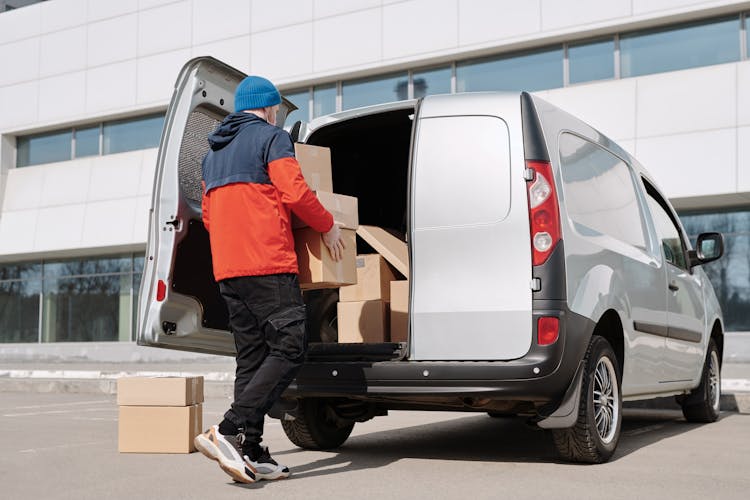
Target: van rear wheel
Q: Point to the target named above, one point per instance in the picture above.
(703, 403)
(595, 435)
(317, 426)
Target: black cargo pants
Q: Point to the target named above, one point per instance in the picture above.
(267, 317)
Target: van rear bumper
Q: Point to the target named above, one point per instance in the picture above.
(542, 375)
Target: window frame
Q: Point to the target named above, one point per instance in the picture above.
(651, 191)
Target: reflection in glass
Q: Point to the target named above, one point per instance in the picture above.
(19, 311)
(324, 100)
(87, 141)
(369, 91)
(686, 46)
(301, 99)
(79, 267)
(591, 61)
(730, 275)
(84, 309)
(21, 270)
(530, 71)
(44, 148)
(132, 134)
(434, 81)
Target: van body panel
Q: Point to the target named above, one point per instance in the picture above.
(471, 266)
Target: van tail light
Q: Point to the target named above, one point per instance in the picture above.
(161, 290)
(544, 212)
(547, 330)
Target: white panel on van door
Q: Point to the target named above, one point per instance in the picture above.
(471, 264)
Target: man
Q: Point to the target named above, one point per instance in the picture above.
(251, 182)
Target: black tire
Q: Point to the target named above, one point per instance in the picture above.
(703, 403)
(316, 427)
(595, 435)
(322, 325)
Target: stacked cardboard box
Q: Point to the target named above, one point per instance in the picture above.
(316, 267)
(159, 414)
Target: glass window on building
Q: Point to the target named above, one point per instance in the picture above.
(591, 61)
(87, 141)
(681, 47)
(369, 91)
(324, 100)
(132, 134)
(432, 81)
(301, 99)
(530, 71)
(20, 286)
(730, 275)
(43, 148)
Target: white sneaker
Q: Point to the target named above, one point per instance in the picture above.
(227, 450)
(266, 467)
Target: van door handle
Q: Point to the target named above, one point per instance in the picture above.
(673, 286)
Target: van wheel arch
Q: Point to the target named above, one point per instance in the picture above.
(610, 328)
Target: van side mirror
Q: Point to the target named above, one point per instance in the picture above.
(708, 248)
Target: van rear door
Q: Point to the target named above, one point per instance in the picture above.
(471, 253)
(180, 306)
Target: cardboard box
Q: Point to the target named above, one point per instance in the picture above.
(315, 162)
(399, 311)
(343, 208)
(374, 276)
(364, 321)
(391, 248)
(159, 391)
(316, 267)
(159, 429)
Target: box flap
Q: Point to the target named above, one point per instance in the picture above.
(391, 248)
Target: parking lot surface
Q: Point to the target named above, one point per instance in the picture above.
(64, 446)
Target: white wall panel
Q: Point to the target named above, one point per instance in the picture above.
(606, 106)
(62, 96)
(157, 75)
(743, 159)
(106, 223)
(102, 51)
(149, 4)
(24, 189)
(264, 16)
(282, 52)
(325, 8)
(61, 14)
(164, 28)
(235, 52)
(140, 219)
(645, 6)
(682, 101)
(219, 20)
(743, 93)
(59, 228)
(110, 87)
(65, 183)
(404, 34)
(115, 176)
(486, 20)
(23, 57)
(17, 231)
(20, 23)
(147, 171)
(19, 104)
(62, 51)
(362, 33)
(557, 14)
(103, 9)
(694, 164)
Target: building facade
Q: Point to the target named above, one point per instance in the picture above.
(85, 84)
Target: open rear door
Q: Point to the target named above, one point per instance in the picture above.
(180, 306)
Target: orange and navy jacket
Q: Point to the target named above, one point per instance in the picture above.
(251, 182)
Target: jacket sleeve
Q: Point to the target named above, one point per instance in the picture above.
(204, 207)
(286, 176)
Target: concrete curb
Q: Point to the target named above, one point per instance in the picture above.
(94, 386)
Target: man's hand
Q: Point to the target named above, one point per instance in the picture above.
(333, 241)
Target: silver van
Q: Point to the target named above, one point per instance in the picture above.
(549, 276)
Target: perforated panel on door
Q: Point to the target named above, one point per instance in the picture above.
(192, 150)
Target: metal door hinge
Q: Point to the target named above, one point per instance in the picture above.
(535, 284)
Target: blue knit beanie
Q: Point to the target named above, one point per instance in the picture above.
(255, 92)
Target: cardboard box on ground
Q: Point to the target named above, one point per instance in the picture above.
(159, 414)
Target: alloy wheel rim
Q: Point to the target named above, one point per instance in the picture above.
(606, 399)
(714, 380)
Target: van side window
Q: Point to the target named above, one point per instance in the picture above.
(666, 230)
(600, 193)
